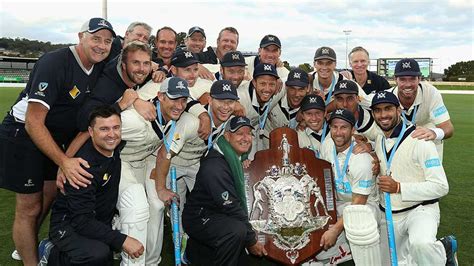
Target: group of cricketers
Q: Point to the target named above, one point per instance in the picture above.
(95, 132)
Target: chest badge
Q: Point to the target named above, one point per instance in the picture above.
(74, 92)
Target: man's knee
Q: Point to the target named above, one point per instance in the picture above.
(28, 206)
(237, 232)
(421, 246)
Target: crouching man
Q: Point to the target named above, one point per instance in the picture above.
(215, 215)
(80, 227)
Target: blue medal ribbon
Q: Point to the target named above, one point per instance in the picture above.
(209, 138)
(413, 118)
(331, 89)
(388, 204)
(169, 139)
(341, 174)
(265, 115)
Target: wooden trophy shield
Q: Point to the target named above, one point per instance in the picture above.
(290, 198)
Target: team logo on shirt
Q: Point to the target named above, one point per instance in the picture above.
(42, 86)
(225, 197)
(406, 65)
(106, 178)
(226, 87)
(74, 92)
(267, 67)
(235, 57)
(297, 75)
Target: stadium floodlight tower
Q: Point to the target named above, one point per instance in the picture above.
(104, 9)
(347, 33)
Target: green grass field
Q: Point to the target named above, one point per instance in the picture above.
(456, 209)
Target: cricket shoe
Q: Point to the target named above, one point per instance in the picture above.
(16, 255)
(451, 246)
(44, 249)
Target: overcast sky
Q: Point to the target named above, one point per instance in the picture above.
(442, 30)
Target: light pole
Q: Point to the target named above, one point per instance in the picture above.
(104, 9)
(347, 33)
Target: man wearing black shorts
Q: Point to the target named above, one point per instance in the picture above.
(40, 126)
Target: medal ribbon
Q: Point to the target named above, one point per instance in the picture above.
(169, 139)
(331, 89)
(341, 175)
(394, 148)
(415, 109)
(265, 114)
(209, 138)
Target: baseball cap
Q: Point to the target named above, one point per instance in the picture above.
(344, 115)
(269, 40)
(346, 86)
(297, 77)
(182, 58)
(237, 122)
(234, 58)
(407, 67)
(384, 97)
(223, 89)
(312, 101)
(265, 69)
(175, 88)
(196, 29)
(325, 53)
(96, 24)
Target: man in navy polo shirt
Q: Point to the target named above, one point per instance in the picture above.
(116, 86)
(195, 40)
(41, 124)
(369, 81)
(80, 227)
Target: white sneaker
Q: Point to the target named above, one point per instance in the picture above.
(16, 255)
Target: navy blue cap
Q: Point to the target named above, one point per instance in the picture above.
(224, 89)
(234, 58)
(297, 77)
(96, 24)
(269, 40)
(312, 101)
(384, 97)
(407, 67)
(265, 69)
(196, 29)
(175, 88)
(344, 115)
(182, 58)
(325, 53)
(237, 122)
(346, 86)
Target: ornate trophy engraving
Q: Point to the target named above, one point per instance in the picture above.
(286, 198)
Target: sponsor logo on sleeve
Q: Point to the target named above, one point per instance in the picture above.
(439, 111)
(435, 162)
(365, 183)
